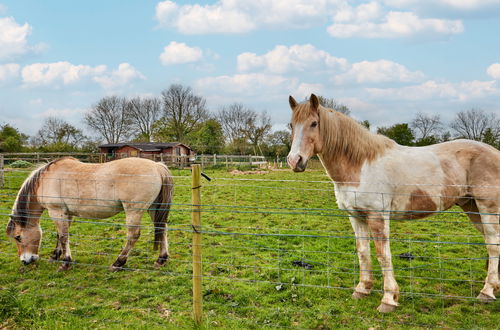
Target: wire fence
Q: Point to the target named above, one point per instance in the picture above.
(276, 251)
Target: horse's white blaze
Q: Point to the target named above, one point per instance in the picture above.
(28, 257)
(293, 155)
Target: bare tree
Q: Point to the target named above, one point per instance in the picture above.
(233, 118)
(474, 123)
(110, 118)
(55, 130)
(183, 110)
(426, 125)
(143, 113)
(333, 104)
(256, 128)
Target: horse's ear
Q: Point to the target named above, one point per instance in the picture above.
(314, 101)
(10, 228)
(292, 102)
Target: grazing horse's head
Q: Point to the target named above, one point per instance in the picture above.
(28, 236)
(24, 224)
(306, 140)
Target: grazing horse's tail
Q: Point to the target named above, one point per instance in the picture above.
(161, 206)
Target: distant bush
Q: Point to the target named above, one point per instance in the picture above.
(21, 164)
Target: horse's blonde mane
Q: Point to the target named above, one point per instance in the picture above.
(343, 136)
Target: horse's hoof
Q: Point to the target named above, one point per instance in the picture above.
(114, 268)
(359, 295)
(386, 308)
(485, 298)
(64, 267)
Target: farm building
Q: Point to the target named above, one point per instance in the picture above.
(171, 152)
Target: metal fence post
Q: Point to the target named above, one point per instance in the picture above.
(196, 246)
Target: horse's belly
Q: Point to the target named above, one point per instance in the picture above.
(94, 209)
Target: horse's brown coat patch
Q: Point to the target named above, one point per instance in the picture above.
(418, 203)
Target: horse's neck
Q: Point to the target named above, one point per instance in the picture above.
(344, 155)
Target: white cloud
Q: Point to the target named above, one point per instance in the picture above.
(8, 71)
(250, 84)
(370, 21)
(230, 16)
(430, 90)
(465, 5)
(284, 59)
(125, 74)
(179, 53)
(58, 72)
(65, 73)
(494, 70)
(378, 72)
(13, 38)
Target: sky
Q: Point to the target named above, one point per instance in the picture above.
(386, 60)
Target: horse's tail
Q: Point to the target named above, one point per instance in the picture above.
(161, 206)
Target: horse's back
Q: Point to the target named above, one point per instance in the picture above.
(101, 190)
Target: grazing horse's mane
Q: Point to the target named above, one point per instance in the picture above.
(343, 136)
(21, 209)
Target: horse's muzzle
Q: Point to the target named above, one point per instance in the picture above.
(27, 259)
(300, 166)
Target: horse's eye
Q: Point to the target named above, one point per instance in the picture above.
(18, 238)
(314, 124)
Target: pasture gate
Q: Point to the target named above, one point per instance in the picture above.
(276, 252)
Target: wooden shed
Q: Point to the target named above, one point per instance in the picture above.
(168, 152)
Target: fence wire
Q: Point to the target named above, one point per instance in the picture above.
(277, 252)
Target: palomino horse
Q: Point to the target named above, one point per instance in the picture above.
(67, 187)
(377, 180)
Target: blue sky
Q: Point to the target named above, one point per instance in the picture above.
(386, 60)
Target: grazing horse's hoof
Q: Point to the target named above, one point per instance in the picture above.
(485, 298)
(161, 261)
(64, 267)
(114, 268)
(386, 308)
(359, 295)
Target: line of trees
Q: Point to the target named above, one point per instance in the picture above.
(178, 114)
(425, 129)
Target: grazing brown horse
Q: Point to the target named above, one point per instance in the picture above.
(377, 179)
(67, 187)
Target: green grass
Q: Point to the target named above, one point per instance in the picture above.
(255, 228)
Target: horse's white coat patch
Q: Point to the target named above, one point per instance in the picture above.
(28, 257)
(294, 153)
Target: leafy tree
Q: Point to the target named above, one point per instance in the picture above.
(401, 133)
(256, 128)
(279, 143)
(11, 140)
(365, 123)
(209, 138)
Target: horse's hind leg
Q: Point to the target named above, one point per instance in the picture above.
(362, 233)
(163, 243)
(133, 234)
(63, 222)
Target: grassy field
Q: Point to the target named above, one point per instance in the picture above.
(276, 253)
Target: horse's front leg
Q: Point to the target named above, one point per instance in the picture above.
(133, 234)
(63, 222)
(379, 226)
(57, 251)
(362, 234)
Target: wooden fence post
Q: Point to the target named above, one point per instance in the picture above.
(2, 178)
(196, 246)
